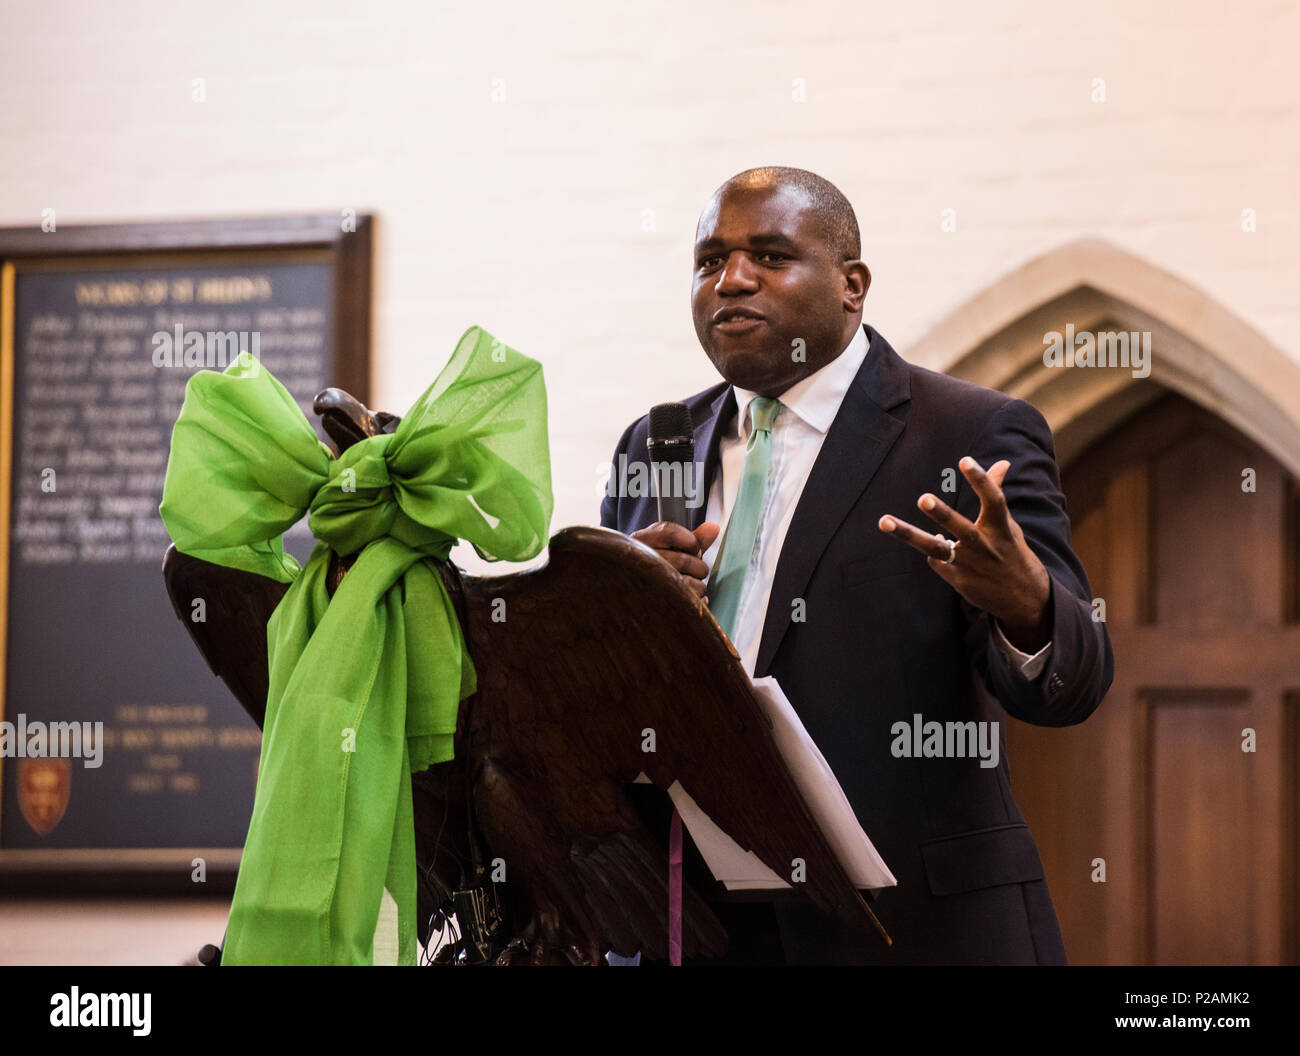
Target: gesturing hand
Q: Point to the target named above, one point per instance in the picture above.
(992, 566)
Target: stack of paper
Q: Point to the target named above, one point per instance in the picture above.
(741, 870)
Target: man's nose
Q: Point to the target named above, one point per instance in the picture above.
(737, 276)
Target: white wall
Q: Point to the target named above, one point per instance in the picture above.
(526, 215)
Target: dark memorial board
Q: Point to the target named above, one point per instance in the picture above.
(153, 752)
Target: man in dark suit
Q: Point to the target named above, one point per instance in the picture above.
(899, 647)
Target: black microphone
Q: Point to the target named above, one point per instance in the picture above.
(672, 457)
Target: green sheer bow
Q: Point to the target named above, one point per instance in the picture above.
(364, 688)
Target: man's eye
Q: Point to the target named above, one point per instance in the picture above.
(774, 256)
(709, 261)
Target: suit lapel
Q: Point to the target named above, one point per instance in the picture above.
(856, 443)
(708, 435)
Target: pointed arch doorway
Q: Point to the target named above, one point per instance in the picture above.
(1168, 822)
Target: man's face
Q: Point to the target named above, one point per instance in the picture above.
(771, 304)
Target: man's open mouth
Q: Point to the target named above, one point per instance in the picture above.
(736, 318)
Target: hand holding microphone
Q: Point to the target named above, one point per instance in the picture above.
(681, 548)
(672, 449)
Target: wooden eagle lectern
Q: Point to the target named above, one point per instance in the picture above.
(603, 642)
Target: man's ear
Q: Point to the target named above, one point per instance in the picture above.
(857, 280)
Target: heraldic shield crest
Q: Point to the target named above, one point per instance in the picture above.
(43, 789)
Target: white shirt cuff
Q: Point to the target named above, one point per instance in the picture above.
(1026, 666)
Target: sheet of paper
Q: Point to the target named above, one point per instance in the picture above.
(741, 870)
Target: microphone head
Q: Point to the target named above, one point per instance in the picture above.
(671, 423)
(671, 445)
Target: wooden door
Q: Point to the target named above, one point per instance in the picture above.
(1189, 534)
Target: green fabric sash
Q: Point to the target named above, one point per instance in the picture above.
(364, 688)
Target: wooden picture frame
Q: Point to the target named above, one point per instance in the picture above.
(345, 242)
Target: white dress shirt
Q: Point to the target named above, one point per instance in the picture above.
(808, 409)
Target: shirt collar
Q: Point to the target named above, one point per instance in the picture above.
(817, 398)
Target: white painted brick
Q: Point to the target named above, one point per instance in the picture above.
(525, 216)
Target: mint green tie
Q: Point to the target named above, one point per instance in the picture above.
(727, 579)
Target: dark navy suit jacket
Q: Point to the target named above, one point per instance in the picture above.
(883, 639)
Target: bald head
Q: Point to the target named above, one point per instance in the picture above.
(777, 287)
(822, 199)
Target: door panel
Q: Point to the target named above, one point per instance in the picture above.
(1195, 837)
